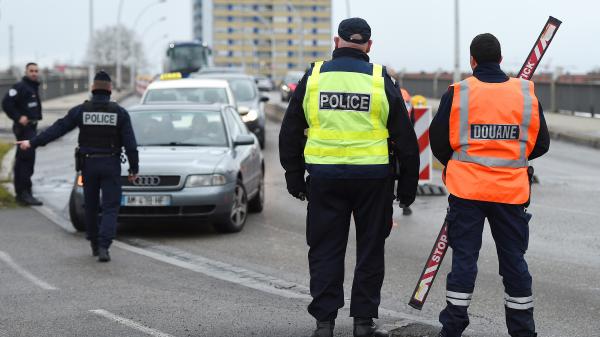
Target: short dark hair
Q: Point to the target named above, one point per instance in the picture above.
(30, 64)
(486, 48)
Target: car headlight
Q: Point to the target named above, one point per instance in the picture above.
(199, 180)
(252, 115)
(285, 88)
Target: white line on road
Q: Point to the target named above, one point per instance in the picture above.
(130, 323)
(21, 271)
(237, 275)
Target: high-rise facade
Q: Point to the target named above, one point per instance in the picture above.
(269, 37)
(197, 19)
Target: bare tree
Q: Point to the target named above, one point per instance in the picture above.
(101, 50)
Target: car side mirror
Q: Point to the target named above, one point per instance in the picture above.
(264, 99)
(243, 140)
(243, 110)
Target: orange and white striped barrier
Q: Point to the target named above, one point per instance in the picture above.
(422, 120)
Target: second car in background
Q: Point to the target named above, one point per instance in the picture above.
(250, 103)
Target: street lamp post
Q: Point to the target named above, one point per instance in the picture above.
(92, 65)
(134, 60)
(456, 44)
(118, 48)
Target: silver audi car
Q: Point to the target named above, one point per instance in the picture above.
(196, 162)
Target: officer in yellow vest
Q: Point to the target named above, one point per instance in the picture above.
(486, 130)
(353, 117)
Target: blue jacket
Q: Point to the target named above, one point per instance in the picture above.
(23, 99)
(439, 131)
(74, 119)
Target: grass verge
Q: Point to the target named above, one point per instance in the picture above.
(6, 199)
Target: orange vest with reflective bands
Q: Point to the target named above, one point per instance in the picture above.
(493, 129)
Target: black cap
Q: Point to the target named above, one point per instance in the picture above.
(355, 30)
(102, 76)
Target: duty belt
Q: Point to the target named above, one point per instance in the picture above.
(100, 155)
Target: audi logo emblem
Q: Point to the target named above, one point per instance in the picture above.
(147, 181)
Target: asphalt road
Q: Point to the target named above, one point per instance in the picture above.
(170, 279)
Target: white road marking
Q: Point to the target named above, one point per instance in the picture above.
(130, 323)
(238, 275)
(21, 271)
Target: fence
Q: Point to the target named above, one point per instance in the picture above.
(53, 86)
(554, 96)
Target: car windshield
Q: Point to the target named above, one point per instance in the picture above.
(187, 95)
(243, 89)
(293, 77)
(179, 128)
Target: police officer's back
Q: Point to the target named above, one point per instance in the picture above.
(353, 115)
(487, 128)
(23, 106)
(104, 128)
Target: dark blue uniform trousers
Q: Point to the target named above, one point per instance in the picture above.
(102, 174)
(331, 204)
(510, 230)
(24, 160)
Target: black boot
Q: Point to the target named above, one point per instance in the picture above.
(103, 255)
(365, 327)
(324, 329)
(406, 210)
(27, 199)
(95, 249)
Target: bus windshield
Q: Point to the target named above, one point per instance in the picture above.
(187, 58)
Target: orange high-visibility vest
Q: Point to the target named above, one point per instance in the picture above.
(493, 129)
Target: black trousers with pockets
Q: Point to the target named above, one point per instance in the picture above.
(331, 204)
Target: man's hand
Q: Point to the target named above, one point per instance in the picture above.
(296, 185)
(24, 145)
(24, 120)
(132, 177)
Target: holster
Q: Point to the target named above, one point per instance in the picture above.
(530, 172)
(78, 160)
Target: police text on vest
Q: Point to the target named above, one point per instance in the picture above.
(344, 101)
(494, 131)
(100, 118)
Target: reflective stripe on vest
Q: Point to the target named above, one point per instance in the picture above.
(465, 130)
(493, 129)
(335, 108)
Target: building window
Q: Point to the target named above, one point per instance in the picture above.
(290, 31)
(255, 30)
(315, 31)
(230, 42)
(230, 7)
(315, 42)
(290, 42)
(290, 53)
(230, 30)
(230, 18)
(291, 65)
(315, 19)
(230, 53)
(290, 19)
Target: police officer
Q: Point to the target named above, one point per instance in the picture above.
(352, 113)
(22, 104)
(487, 128)
(104, 128)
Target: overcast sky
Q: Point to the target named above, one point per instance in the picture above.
(411, 34)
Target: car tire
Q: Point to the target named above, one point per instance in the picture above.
(261, 140)
(236, 219)
(257, 203)
(77, 219)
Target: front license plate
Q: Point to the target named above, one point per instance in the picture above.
(146, 200)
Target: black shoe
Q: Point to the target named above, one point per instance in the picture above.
(103, 255)
(95, 249)
(406, 210)
(324, 329)
(27, 199)
(365, 327)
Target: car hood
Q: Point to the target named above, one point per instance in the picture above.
(173, 160)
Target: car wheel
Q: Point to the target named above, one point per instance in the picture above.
(261, 140)
(77, 219)
(236, 219)
(257, 203)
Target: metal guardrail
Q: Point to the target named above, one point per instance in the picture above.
(53, 87)
(570, 98)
